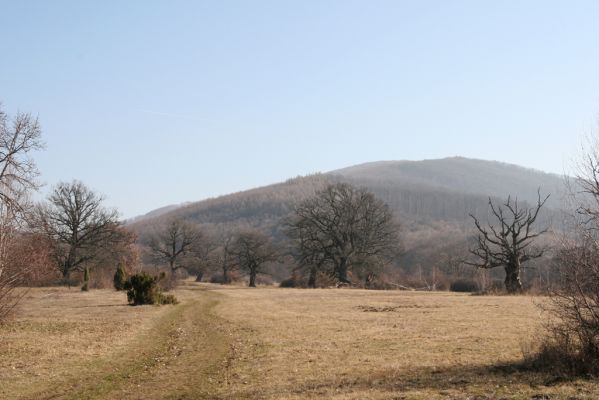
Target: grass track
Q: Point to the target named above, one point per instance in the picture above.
(181, 356)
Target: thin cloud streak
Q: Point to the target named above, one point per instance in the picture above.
(174, 115)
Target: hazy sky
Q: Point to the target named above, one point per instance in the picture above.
(160, 102)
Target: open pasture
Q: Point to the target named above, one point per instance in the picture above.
(270, 343)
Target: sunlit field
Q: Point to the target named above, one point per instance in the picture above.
(270, 343)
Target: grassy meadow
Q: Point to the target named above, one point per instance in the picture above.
(269, 343)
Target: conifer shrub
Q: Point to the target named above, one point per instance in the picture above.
(120, 277)
(85, 286)
(144, 289)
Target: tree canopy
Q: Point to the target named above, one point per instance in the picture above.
(343, 228)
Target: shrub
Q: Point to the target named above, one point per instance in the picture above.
(144, 289)
(572, 346)
(463, 285)
(120, 277)
(558, 355)
(217, 278)
(288, 283)
(168, 299)
(85, 286)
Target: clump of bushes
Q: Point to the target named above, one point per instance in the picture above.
(293, 281)
(464, 286)
(143, 288)
(120, 277)
(289, 283)
(218, 278)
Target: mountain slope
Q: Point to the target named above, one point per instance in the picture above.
(419, 192)
(461, 175)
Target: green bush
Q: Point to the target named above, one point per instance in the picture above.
(144, 289)
(120, 277)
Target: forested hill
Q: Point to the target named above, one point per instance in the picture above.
(426, 193)
(460, 175)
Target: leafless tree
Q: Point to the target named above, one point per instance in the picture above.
(341, 228)
(509, 242)
(224, 258)
(251, 251)
(19, 138)
(177, 245)
(77, 224)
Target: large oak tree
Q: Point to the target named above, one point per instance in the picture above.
(508, 241)
(78, 225)
(177, 244)
(343, 228)
(252, 250)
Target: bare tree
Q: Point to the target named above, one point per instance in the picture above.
(224, 257)
(341, 228)
(177, 244)
(509, 242)
(203, 259)
(252, 250)
(77, 224)
(19, 137)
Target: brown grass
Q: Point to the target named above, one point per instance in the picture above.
(271, 343)
(356, 344)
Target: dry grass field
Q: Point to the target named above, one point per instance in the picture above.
(271, 343)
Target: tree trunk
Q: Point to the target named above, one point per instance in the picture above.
(252, 277)
(226, 277)
(368, 280)
(512, 278)
(312, 278)
(199, 277)
(342, 271)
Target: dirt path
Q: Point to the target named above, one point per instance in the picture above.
(182, 357)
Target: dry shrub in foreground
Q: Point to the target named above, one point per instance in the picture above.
(572, 345)
(9, 293)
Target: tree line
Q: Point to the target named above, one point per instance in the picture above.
(334, 232)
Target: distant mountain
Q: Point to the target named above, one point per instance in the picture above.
(419, 192)
(461, 175)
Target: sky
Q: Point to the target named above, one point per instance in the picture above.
(161, 102)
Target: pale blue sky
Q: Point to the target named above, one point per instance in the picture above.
(161, 102)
